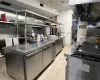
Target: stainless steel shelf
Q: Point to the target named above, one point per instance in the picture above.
(4, 22)
(24, 37)
(27, 14)
(32, 14)
(33, 24)
(37, 16)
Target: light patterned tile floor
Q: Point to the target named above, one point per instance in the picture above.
(56, 71)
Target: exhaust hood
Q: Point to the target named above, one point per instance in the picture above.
(74, 2)
(89, 12)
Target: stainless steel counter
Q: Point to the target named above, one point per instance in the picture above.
(27, 48)
(71, 51)
(24, 49)
(26, 61)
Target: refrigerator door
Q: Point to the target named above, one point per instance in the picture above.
(34, 65)
(47, 56)
(59, 46)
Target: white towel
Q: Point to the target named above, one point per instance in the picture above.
(8, 42)
(15, 41)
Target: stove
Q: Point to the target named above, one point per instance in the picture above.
(84, 63)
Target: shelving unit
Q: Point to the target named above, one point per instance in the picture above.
(29, 14)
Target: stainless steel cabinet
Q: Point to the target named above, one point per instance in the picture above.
(53, 52)
(34, 64)
(29, 65)
(58, 46)
(47, 54)
(15, 66)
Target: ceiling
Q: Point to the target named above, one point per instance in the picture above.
(16, 5)
(58, 4)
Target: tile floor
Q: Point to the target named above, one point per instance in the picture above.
(56, 71)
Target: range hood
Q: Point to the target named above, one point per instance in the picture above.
(74, 2)
(88, 11)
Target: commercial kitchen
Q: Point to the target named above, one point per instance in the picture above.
(49, 39)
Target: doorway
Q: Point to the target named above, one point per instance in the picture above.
(74, 30)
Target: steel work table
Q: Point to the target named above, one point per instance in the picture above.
(26, 61)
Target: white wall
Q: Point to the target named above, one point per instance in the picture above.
(65, 18)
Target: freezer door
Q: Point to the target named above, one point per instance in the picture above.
(34, 65)
(53, 52)
(15, 66)
(47, 56)
(59, 46)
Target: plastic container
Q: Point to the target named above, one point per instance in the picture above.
(38, 38)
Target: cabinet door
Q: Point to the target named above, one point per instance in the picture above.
(47, 54)
(34, 65)
(58, 46)
(53, 52)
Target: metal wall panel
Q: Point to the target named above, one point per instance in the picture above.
(73, 2)
(7, 31)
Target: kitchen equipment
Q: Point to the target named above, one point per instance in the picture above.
(45, 39)
(26, 61)
(3, 17)
(83, 68)
(53, 30)
(84, 63)
(89, 49)
(34, 64)
(47, 56)
(38, 38)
